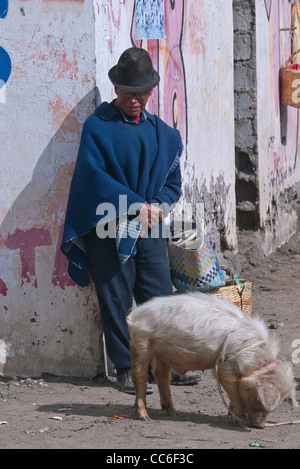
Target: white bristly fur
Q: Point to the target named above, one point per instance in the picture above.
(199, 331)
(205, 319)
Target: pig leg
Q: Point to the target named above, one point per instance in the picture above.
(161, 372)
(140, 364)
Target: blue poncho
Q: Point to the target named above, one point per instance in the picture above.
(118, 157)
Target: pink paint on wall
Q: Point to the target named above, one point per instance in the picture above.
(285, 154)
(114, 19)
(92, 312)
(268, 4)
(281, 41)
(153, 51)
(67, 69)
(174, 88)
(26, 241)
(276, 57)
(74, 1)
(174, 92)
(195, 40)
(3, 288)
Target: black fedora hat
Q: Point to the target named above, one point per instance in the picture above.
(134, 71)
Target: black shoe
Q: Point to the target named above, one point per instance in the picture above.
(151, 378)
(183, 380)
(124, 380)
(177, 379)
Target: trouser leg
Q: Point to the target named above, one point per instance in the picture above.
(145, 276)
(114, 287)
(152, 269)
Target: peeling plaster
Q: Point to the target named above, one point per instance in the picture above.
(213, 195)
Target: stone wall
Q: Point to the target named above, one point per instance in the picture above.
(245, 95)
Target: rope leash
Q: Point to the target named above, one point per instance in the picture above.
(243, 422)
(291, 422)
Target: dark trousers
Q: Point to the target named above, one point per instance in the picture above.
(142, 277)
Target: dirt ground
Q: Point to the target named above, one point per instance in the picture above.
(61, 413)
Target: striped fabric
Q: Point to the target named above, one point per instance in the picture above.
(195, 270)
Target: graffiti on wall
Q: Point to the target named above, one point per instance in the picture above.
(268, 7)
(284, 154)
(3, 8)
(5, 61)
(173, 108)
(24, 245)
(26, 241)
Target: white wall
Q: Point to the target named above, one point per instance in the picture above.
(47, 325)
(279, 169)
(209, 169)
(60, 51)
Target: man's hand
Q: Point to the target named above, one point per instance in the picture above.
(149, 216)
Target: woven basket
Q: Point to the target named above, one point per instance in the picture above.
(290, 83)
(237, 291)
(239, 294)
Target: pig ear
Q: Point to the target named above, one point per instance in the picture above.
(269, 396)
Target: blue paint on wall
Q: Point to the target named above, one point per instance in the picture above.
(5, 66)
(5, 62)
(3, 8)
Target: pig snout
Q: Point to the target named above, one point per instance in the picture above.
(260, 397)
(257, 423)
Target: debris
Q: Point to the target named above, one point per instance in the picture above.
(120, 417)
(43, 430)
(3, 422)
(42, 383)
(254, 443)
(272, 324)
(56, 418)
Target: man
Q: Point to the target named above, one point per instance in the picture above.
(127, 170)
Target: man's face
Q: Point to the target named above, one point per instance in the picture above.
(132, 104)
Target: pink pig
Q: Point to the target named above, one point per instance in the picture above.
(198, 331)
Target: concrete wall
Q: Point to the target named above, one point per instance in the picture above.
(209, 167)
(46, 324)
(267, 142)
(278, 127)
(60, 52)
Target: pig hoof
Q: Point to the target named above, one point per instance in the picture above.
(170, 412)
(145, 418)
